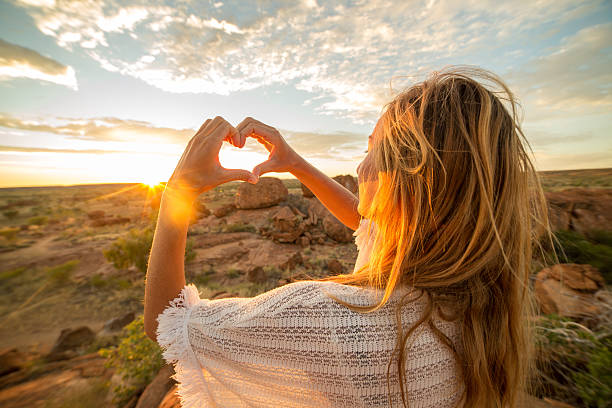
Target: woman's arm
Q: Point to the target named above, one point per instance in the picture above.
(341, 202)
(197, 171)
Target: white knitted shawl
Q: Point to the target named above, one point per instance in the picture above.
(293, 346)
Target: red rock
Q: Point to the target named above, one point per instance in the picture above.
(349, 182)
(580, 277)
(157, 389)
(267, 192)
(336, 230)
(557, 296)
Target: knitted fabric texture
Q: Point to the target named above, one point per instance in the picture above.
(294, 346)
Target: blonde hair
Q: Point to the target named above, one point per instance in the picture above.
(458, 210)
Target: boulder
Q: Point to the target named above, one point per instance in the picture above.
(11, 359)
(569, 290)
(580, 209)
(287, 226)
(335, 266)
(349, 182)
(256, 275)
(336, 230)
(157, 389)
(201, 209)
(306, 191)
(285, 220)
(224, 210)
(584, 278)
(267, 192)
(69, 340)
(171, 400)
(94, 215)
(293, 261)
(119, 322)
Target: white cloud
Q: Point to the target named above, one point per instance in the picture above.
(22, 62)
(574, 76)
(344, 54)
(125, 19)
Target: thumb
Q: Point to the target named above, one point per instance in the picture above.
(262, 168)
(239, 174)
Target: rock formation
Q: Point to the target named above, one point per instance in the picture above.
(267, 192)
(569, 290)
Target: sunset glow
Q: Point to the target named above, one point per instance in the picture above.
(94, 93)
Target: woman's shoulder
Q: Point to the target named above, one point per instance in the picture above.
(311, 292)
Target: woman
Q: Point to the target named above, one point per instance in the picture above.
(437, 311)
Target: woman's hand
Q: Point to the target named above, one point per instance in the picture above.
(199, 169)
(282, 157)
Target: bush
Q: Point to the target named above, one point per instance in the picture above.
(190, 253)
(580, 249)
(574, 363)
(6, 275)
(133, 249)
(240, 227)
(10, 214)
(233, 273)
(137, 359)
(38, 220)
(9, 233)
(99, 281)
(595, 385)
(61, 274)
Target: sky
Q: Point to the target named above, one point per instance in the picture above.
(101, 92)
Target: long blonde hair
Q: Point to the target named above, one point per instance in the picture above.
(459, 209)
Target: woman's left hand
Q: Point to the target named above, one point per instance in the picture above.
(199, 169)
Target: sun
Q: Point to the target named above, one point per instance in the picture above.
(151, 183)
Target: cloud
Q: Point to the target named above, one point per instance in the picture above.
(101, 129)
(344, 54)
(22, 62)
(574, 76)
(48, 150)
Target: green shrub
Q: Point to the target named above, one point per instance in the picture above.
(99, 281)
(595, 385)
(190, 253)
(579, 249)
(9, 233)
(6, 275)
(133, 249)
(240, 227)
(137, 359)
(203, 278)
(38, 220)
(10, 214)
(61, 274)
(233, 273)
(573, 362)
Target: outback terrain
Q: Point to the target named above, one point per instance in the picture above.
(73, 261)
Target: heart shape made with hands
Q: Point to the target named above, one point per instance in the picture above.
(277, 157)
(247, 157)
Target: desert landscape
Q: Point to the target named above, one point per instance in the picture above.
(73, 261)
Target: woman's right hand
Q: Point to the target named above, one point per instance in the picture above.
(282, 157)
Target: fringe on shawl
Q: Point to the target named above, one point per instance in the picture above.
(172, 336)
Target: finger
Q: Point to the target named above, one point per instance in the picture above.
(233, 137)
(253, 129)
(249, 124)
(237, 174)
(206, 122)
(263, 168)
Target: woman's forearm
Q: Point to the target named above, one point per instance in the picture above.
(166, 269)
(341, 202)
